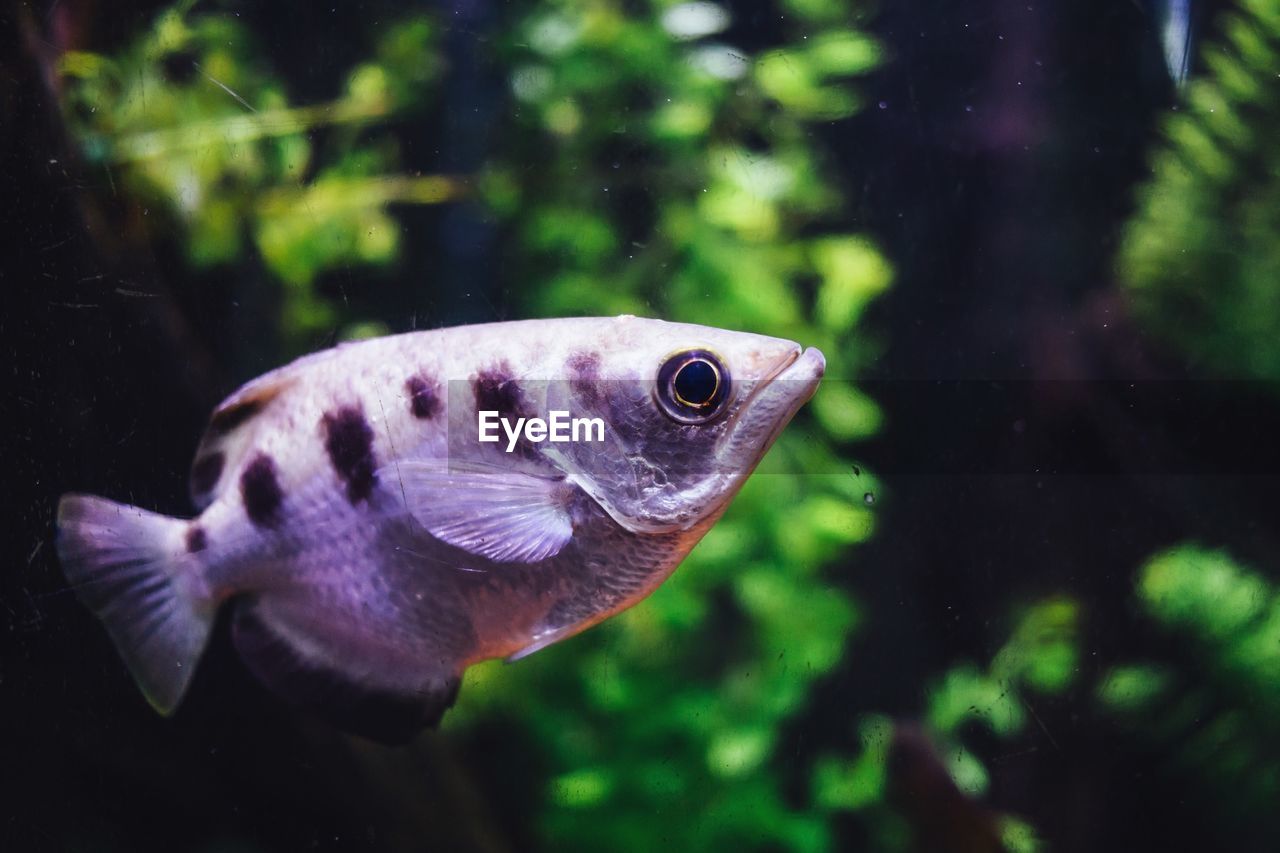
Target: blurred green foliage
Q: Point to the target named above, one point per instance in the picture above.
(194, 125)
(1201, 262)
(645, 165)
(1040, 658)
(1214, 708)
(1201, 258)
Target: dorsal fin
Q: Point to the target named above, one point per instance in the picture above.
(230, 432)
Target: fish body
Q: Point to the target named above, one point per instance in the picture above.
(371, 545)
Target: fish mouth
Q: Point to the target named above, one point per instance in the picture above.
(806, 366)
(792, 356)
(795, 377)
(810, 363)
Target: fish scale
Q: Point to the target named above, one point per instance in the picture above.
(372, 547)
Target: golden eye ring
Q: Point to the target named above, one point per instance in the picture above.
(693, 386)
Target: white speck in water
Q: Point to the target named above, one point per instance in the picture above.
(869, 498)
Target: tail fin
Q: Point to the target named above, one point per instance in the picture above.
(133, 569)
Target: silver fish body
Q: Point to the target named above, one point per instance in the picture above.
(371, 546)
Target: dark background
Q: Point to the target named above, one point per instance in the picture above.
(1004, 148)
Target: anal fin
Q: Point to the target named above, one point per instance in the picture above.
(384, 714)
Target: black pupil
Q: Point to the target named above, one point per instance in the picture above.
(695, 383)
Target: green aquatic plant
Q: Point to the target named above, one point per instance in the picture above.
(1200, 262)
(192, 124)
(1200, 258)
(1211, 708)
(1040, 658)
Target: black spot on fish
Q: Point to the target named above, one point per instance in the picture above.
(206, 471)
(196, 539)
(424, 399)
(225, 420)
(497, 391)
(349, 441)
(584, 364)
(261, 491)
(584, 375)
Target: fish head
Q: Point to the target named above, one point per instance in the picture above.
(688, 411)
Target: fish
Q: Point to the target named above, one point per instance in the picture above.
(1176, 20)
(372, 540)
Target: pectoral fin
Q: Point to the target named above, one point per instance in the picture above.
(503, 515)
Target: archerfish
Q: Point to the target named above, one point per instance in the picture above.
(370, 546)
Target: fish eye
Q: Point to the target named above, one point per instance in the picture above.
(692, 386)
